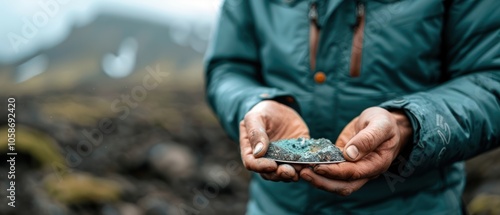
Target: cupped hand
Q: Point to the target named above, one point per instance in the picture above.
(370, 143)
(270, 121)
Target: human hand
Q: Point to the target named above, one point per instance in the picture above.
(270, 121)
(370, 143)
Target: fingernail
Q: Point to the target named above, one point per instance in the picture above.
(306, 177)
(352, 152)
(258, 148)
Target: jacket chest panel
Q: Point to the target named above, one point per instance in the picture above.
(398, 44)
(401, 46)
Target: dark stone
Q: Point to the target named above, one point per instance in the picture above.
(304, 150)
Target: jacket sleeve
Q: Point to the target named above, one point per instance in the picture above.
(234, 81)
(461, 117)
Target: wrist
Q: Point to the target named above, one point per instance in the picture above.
(405, 129)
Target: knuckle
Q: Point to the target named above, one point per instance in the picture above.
(252, 132)
(371, 136)
(268, 169)
(385, 123)
(386, 126)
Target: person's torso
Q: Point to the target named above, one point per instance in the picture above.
(363, 53)
(397, 52)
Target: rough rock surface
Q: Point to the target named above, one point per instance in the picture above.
(304, 150)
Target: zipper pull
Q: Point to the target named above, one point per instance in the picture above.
(360, 12)
(313, 14)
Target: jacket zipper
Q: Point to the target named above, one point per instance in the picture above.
(313, 35)
(357, 42)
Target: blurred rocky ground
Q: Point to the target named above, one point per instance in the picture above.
(163, 154)
(90, 144)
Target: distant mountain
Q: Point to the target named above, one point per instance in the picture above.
(81, 54)
(107, 32)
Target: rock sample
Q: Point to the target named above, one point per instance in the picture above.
(303, 150)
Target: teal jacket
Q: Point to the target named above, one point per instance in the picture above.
(439, 61)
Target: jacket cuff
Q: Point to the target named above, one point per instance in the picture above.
(269, 94)
(420, 153)
(403, 104)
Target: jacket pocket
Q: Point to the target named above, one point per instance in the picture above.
(357, 41)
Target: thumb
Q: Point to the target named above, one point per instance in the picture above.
(365, 142)
(257, 136)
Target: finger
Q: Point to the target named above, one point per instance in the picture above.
(287, 172)
(347, 133)
(260, 165)
(249, 161)
(371, 166)
(256, 130)
(340, 187)
(368, 139)
(298, 167)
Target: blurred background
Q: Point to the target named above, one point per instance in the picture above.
(111, 115)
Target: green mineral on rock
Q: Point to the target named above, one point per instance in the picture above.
(304, 150)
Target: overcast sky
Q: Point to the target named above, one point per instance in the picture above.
(27, 26)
